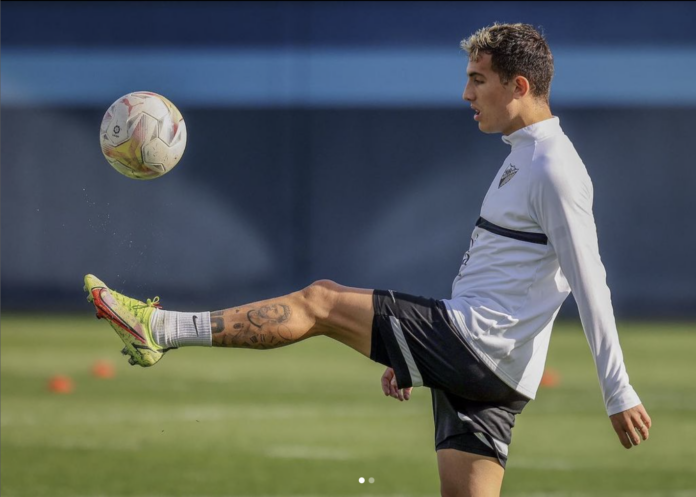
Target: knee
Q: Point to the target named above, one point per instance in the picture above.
(321, 296)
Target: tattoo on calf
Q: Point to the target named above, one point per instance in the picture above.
(269, 314)
(217, 322)
(264, 328)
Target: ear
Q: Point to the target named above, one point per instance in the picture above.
(521, 86)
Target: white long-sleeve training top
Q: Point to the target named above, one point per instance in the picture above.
(536, 241)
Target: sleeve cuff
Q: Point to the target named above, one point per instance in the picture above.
(623, 402)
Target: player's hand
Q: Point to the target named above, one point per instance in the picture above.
(390, 388)
(631, 423)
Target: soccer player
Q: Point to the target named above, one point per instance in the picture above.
(482, 352)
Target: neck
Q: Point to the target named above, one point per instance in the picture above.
(529, 116)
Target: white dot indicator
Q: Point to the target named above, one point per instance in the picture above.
(361, 479)
(371, 480)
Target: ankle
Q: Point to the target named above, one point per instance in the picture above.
(181, 329)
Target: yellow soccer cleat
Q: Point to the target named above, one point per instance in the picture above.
(130, 318)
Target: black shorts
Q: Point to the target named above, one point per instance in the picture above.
(474, 410)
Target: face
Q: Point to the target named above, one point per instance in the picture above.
(493, 102)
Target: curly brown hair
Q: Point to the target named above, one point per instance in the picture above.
(516, 50)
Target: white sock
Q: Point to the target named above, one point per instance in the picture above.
(181, 329)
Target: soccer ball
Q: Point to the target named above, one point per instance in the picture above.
(143, 135)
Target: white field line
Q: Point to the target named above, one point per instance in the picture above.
(280, 452)
(190, 413)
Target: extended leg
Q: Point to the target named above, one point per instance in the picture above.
(323, 308)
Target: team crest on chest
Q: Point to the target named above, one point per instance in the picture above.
(507, 175)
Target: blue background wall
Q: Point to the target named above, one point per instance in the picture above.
(327, 141)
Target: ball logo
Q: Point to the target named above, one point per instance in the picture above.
(117, 130)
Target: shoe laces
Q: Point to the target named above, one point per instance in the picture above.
(140, 308)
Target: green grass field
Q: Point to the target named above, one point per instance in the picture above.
(310, 419)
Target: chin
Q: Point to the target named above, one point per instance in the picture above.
(484, 129)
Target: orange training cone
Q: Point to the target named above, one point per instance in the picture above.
(61, 384)
(103, 369)
(550, 378)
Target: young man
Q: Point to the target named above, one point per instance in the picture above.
(483, 351)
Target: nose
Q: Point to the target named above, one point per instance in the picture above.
(468, 94)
